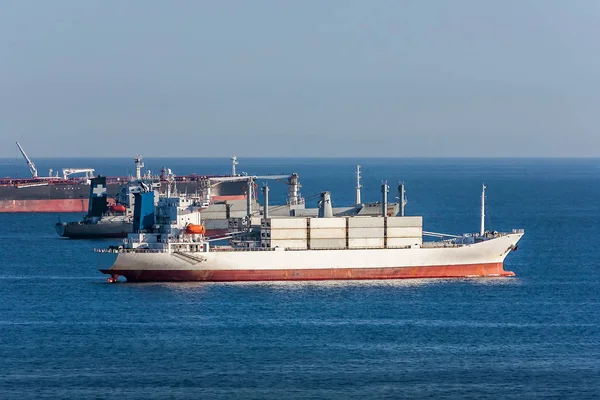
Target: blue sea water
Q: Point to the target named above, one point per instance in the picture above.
(66, 333)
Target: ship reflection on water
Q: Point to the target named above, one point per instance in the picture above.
(325, 285)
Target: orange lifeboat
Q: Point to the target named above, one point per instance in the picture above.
(193, 229)
(117, 208)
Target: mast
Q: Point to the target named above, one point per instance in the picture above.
(482, 230)
(234, 162)
(358, 185)
(265, 190)
(30, 163)
(249, 198)
(384, 198)
(402, 198)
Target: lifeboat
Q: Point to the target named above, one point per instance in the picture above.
(117, 208)
(193, 229)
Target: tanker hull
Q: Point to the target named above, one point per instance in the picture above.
(483, 259)
(73, 197)
(41, 206)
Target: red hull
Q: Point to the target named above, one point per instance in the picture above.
(55, 205)
(65, 205)
(441, 271)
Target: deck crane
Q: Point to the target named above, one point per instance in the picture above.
(30, 163)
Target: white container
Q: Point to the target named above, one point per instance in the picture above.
(365, 222)
(284, 233)
(327, 243)
(365, 243)
(404, 222)
(289, 244)
(336, 222)
(328, 233)
(286, 223)
(365, 233)
(404, 232)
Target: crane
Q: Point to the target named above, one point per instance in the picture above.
(89, 172)
(246, 177)
(30, 163)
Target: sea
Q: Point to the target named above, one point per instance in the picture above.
(65, 333)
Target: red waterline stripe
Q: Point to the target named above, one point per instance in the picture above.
(441, 271)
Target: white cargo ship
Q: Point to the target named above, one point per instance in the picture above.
(169, 245)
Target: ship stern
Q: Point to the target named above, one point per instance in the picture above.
(105, 261)
(60, 228)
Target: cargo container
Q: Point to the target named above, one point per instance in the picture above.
(284, 234)
(328, 243)
(326, 233)
(365, 233)
(285, 223)
(365, 243)
(321, 223)
(366, 222)
(404, 222)
(404, 232)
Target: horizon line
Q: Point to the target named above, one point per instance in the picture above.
(327, 157)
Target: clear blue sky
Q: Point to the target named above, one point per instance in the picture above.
(300, 78)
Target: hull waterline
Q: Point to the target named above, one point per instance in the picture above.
(441, 271)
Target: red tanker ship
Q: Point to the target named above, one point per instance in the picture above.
(68, 193)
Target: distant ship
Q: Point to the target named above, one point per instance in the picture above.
(105, 220)
(69, 193)
(169, 244)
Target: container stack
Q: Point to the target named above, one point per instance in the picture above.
(366, 232)
(327, 233)
(342, 232)
(404, 231)
(284, 232)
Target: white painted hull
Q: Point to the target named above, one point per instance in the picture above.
(481, 259)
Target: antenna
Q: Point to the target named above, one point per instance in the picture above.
(482, 230)
(358, 185)
(234, 162)
(30, 163)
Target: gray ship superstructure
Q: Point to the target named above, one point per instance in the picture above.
(219, 216)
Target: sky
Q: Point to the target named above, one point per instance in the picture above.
(315, 78)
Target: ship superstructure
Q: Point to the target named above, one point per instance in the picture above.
(107, 219)
(170, 246)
